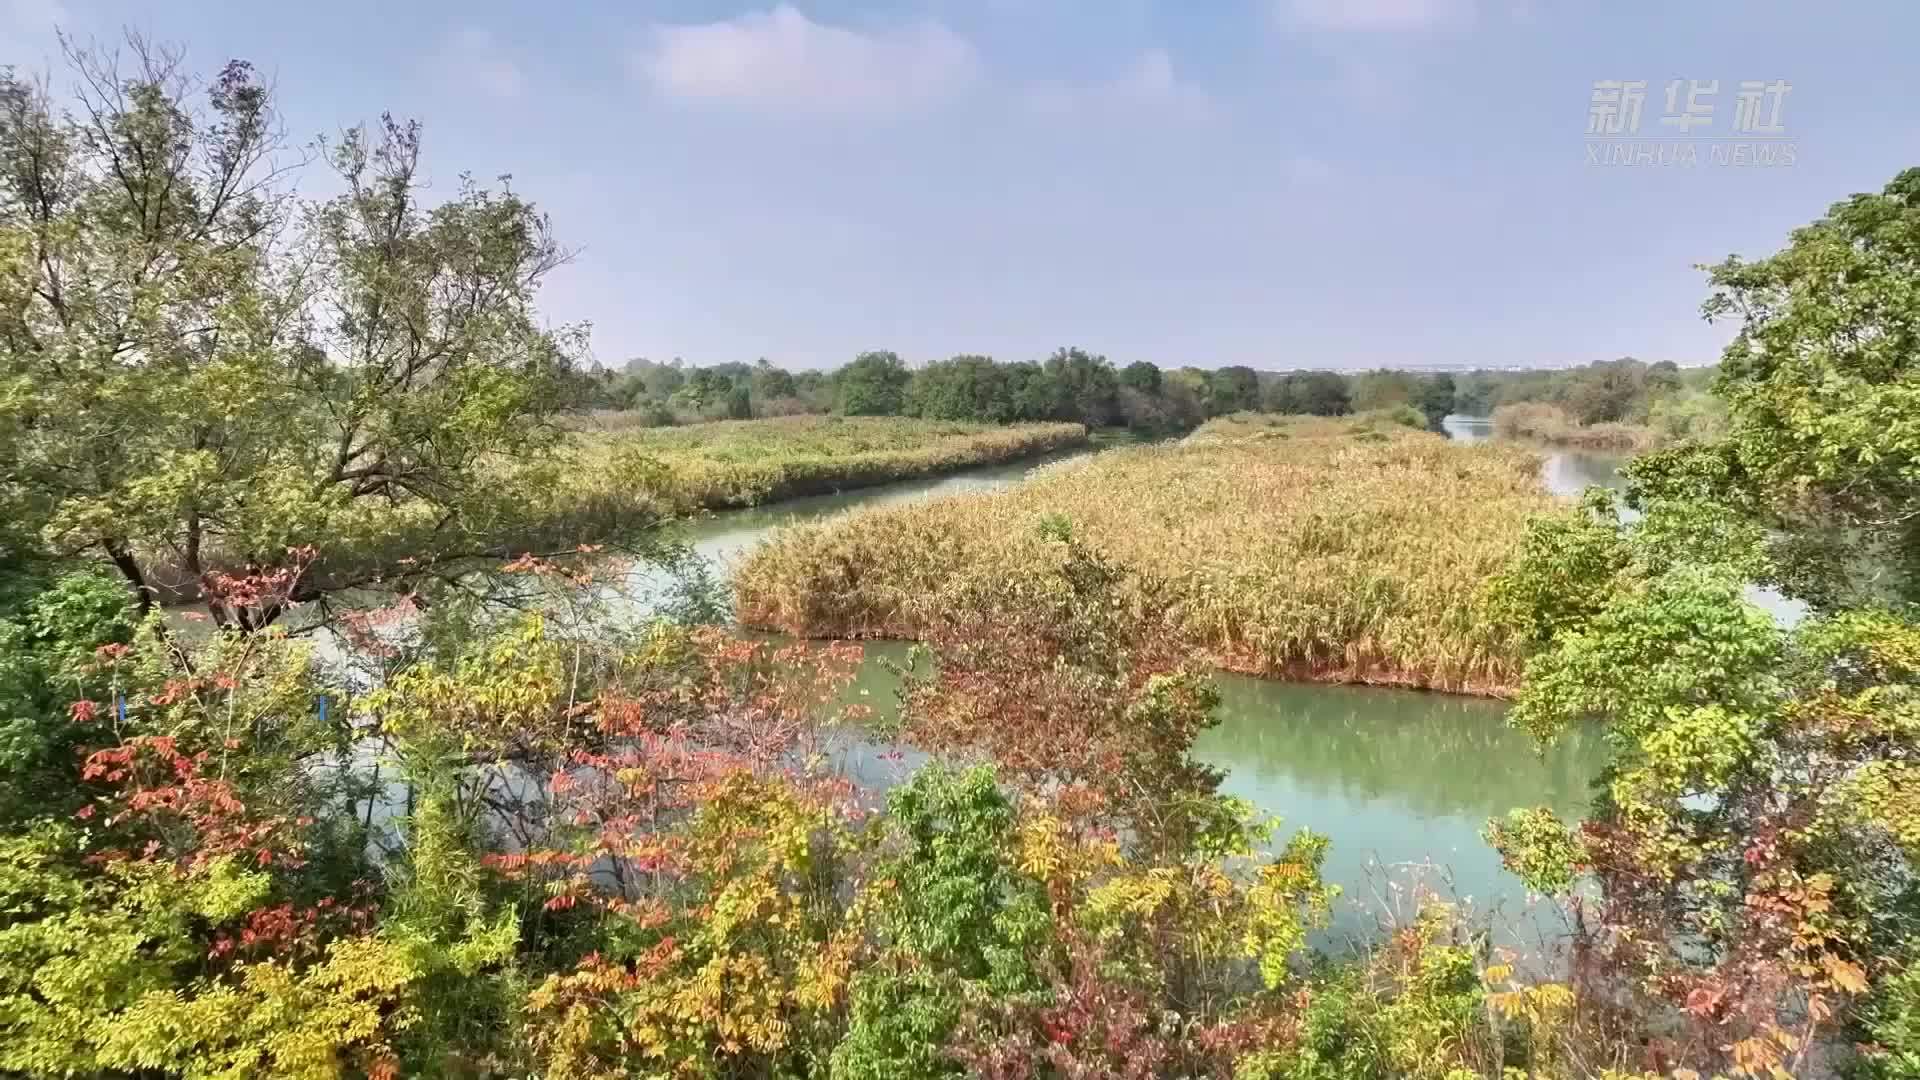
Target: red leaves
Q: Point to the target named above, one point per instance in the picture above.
(1704, 1001)
(158, 791)
(1093, 1026)
(286, 932)
(259, 588)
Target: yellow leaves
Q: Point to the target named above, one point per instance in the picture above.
(313, 1025)
(1139, 895)
(1541, 1005)
(820, 982)
(1043, 848)
(1845, 975)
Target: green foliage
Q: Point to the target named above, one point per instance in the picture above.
(957, 905)
(47, 641)
(957, 919)
(1565, 571)
(107, 971)
(874, 384)
(963, 388)
(1820, 387)
(1308, 393)
(194, 388)
(1891, 1026)
(1141, 375)
(1232, 390)
(1753, 841)
(1543, 423)
(1624, 391)
(1415, 1008)
(899, 1027)
(1539, 848)
(1435, 399)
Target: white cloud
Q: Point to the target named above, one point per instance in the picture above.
(470, 57)
(1149, 84)
(782, 59)
(1377, 14)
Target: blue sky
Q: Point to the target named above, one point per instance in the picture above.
(1280, 183)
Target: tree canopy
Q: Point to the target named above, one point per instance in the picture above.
(204, 374)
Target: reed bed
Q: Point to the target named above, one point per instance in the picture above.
(1350, 550)
(732, 463)
(1550, 424)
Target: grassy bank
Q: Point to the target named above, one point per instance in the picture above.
(1538, 422)
(732, 463)
(611, 487)
(1347, 550)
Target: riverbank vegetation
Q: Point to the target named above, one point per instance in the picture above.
(1615, 405)
(537, 842)
(1342, 549)
(1755, 846)
(1542, 423)
(731, 463)
(206, 375)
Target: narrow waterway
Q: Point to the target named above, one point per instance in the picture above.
(1402, 781)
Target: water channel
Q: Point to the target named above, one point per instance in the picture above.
(1402, 781)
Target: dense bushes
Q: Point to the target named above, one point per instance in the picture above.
(585, 857)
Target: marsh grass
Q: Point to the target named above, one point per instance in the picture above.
(1348, 549)
(1540, 422)
(734, 463)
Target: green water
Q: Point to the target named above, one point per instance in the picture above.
(1403, 782)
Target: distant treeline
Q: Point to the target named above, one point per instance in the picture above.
(1621, 403)
(1072, 384)
(1076, 385)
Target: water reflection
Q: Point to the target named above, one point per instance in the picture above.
(1564, 471)
(722, 538)
(1570, 472)
(1394, 777)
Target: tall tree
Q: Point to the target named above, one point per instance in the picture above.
(963, 388)
(203, 378)
(1434, 398)
(1232, 389)
(1141, 375)
(1318, 393)
(1822, 383)
(1085, 386)
(770, 382)
(874, 384)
